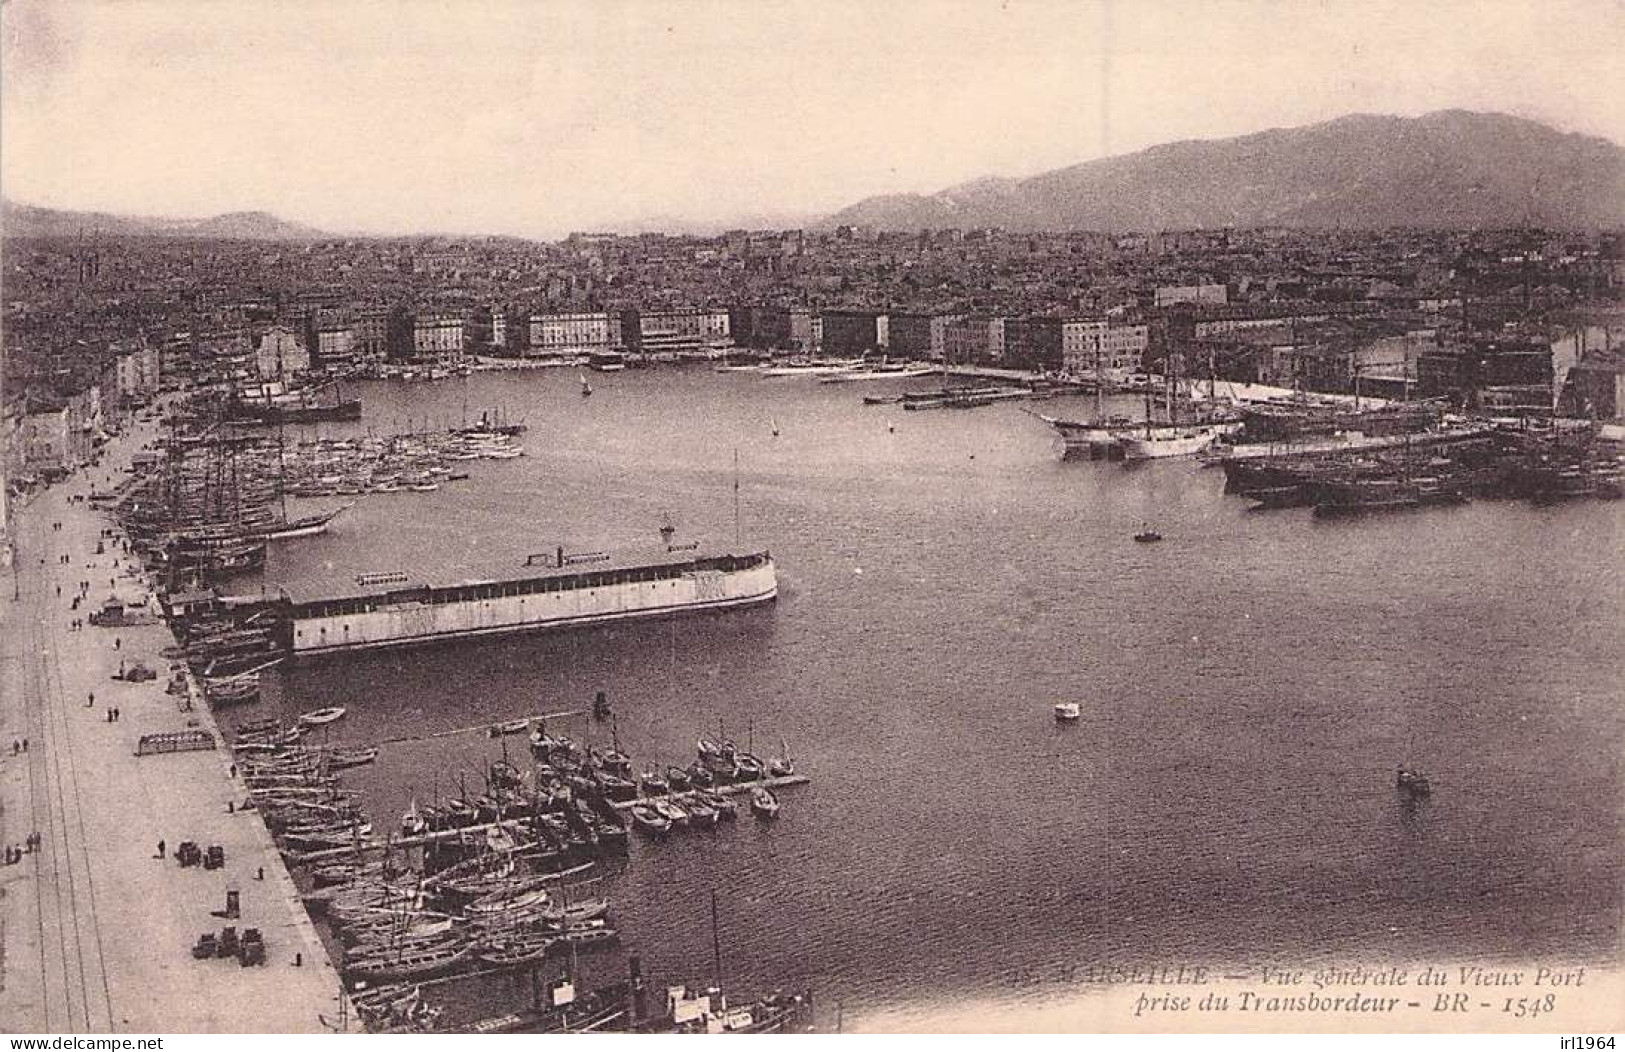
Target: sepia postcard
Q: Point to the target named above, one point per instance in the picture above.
(706, 516)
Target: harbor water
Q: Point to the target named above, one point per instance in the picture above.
(1248, 688)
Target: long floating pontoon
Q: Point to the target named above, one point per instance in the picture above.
(396, 609)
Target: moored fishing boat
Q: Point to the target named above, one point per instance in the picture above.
(507, 902)
(512, 949)
(650, 821)
(339, 759)
(416, 964)
(670, 812)
(764, 802)
(318, 717)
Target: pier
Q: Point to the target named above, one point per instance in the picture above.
(97, 928)
(516, 824)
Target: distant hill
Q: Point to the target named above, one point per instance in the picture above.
(18, 220)
(1450, 169)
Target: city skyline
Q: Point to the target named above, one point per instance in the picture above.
(506, 119)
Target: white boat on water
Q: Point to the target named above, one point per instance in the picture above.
(320, 716)
(829, 368)
(1157, 443)
(856, 375)
(1067, 711)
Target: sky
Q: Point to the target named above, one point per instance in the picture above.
(540, 117)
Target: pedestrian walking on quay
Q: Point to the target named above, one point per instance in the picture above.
(117, 642)
(117, 714)
(90, 702)
(160, 850)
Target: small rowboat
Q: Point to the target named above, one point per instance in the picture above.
(699, 812)
(722, 805)
(670, 812)
(416, 965)
(1067, 711)
(321, 716)
(342, 758)
(503, 902)
(764, 803)
(1414, 784)
(499, 730)
(650, 821)
(515, 949)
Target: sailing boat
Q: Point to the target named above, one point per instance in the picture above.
(781, 766)
(1097, 437)
(1173, 439)
(586, 388)
(775, 425)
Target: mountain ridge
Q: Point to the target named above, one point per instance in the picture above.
(1446, 169)
(22, 220)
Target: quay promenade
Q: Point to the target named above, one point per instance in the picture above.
(95, 930)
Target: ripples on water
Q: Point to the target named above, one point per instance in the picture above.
(1248, 688)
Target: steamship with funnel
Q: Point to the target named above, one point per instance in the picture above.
(550, 590)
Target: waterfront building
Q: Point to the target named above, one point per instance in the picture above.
(1076, 345)
(371, 333)
(1033, 343)
(332, 344)
(137, 373)
(911, 335)
(279, 354)
(685, 331)
(974, 340)
(1594, 387)
(437, 336)
(411, 335)
(851, 333)
(573, 333)
(771, 327)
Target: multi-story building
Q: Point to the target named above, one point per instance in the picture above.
(1168, 295)
(333, 344)
(328, 338)
(1594, 387)
(689, 331)
(1123, 347)
(422, 335)
(771, 328)
(851, 333)
(577, 333)
(62, 435)
(137, 372)
(437, 336)
(280, 354)
(1076, 345)
(371, 333)
(917, 335)
(974, 340)
(1033, 343)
